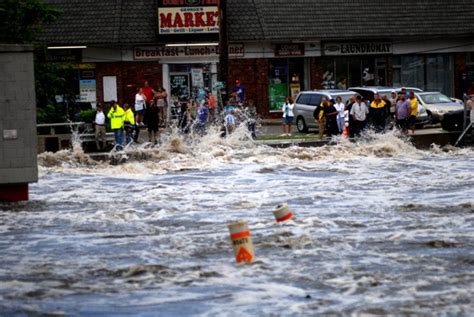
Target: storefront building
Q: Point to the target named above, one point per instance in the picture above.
(174, 44)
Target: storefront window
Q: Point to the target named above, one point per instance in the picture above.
(286, 79)
(413, 71)
(341, 73)
(428, 72)
(439, 73)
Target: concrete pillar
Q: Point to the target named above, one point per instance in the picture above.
(213, 78)
(167, 87)
(213, 86)
(18, 141)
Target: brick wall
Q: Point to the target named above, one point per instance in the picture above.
(253, 74)
(130, 76)
(18, 161)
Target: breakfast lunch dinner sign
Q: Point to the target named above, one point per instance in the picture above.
(187, 17)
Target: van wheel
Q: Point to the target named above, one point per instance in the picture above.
(301, 125)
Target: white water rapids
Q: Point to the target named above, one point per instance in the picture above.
(380, 228)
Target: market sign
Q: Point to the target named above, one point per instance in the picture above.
(157, 52)
(177, 17)
(361, 48)
(288, 50)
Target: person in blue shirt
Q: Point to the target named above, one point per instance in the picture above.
(202, 118)
(230, 105)
(239, 90)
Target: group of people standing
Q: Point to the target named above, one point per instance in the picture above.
(333, 116)
(196, 115)
(151, 107)
(121, 120)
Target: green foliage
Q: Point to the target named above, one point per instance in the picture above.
(50, 80)
(22, 20)
(51, 114)
(87, 116)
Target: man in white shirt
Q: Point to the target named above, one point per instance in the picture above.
(99, 123)
(359, 112)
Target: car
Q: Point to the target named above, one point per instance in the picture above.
(437, 104)
(368, 93)
(306, 102)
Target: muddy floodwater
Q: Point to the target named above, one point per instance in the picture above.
(380, 228)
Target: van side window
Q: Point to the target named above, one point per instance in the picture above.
(315, 99)
(303, 99)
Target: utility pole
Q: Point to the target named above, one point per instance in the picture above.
(223, 45)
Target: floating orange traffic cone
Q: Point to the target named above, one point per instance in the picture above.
(241, 241)
(282, 213)
(345, 132)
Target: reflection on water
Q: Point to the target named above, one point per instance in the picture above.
(379, 228)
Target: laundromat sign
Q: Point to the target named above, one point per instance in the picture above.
(180, 17)
(362, 48)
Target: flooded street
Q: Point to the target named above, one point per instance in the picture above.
(379, 228)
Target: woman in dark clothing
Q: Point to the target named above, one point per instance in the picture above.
(330, 113)
(184, 118)
(152, 122)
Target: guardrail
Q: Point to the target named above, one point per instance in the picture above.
(51, 141)
(52, 126)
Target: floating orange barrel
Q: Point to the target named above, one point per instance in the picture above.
(282, 213)
(241, 241)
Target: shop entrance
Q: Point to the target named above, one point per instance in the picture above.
(189, 81)
(287, 78)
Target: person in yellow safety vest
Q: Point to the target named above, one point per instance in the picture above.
(413, 111)
(319, 117)
(377, 113)
(129, 123)
(116, 115)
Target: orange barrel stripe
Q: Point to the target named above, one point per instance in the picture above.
(240, 235)
(285, 217)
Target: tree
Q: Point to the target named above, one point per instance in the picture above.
(22, 20)
(50, 81)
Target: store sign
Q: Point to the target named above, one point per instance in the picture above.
(64, 55)
(87, 90)
(177, 17)
(197, 77)
(288, 50)
(157, 52)
(363, 48)
(236, 50)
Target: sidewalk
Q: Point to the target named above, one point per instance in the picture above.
(271, 122)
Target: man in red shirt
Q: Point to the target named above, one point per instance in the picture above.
(148, 92)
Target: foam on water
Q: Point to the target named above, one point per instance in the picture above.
(380, 228)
